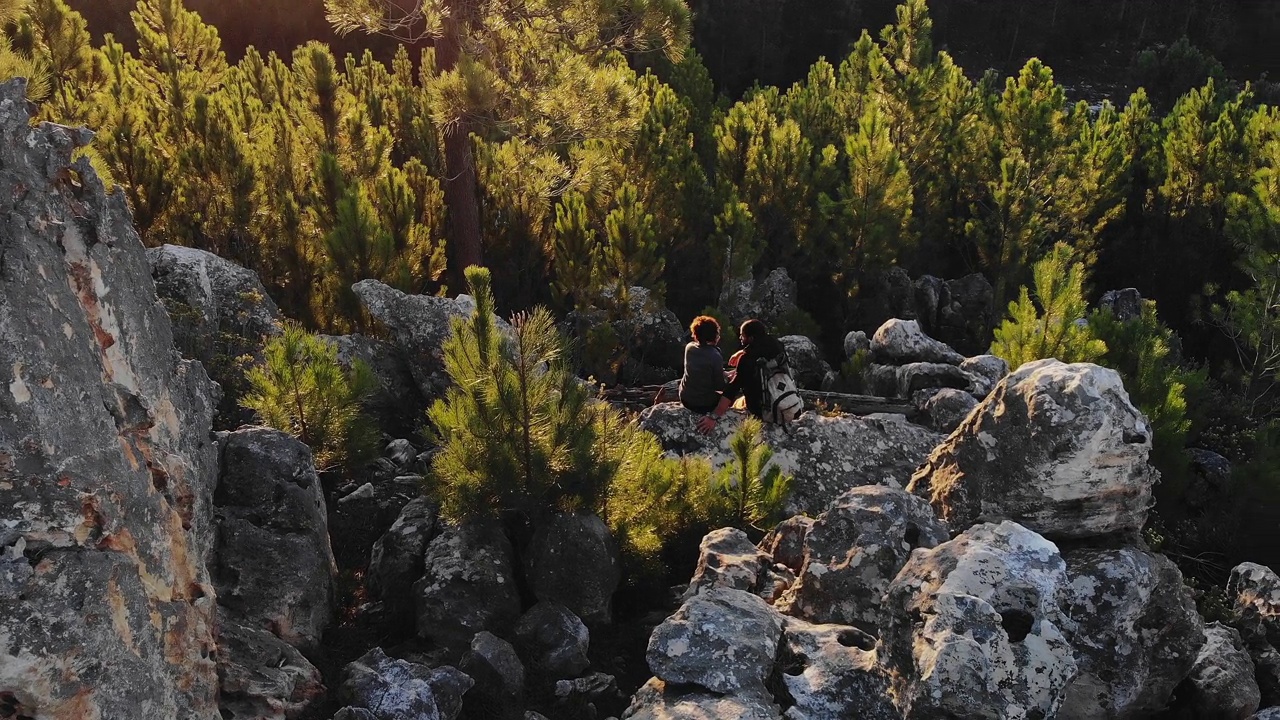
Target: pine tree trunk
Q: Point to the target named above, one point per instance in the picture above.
(460, 194)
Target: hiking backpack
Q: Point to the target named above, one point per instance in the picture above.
(780, 402)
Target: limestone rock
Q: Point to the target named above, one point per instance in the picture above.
(274, 567)
(354, 713)
(1222, 683)
(659, 700)
(107, 466)
(856, 342)
(898, 342)
(261, 677)
(573, 559)
(1056, 447)
(553, 641)
(1137, 636)
(854, 550)
(830, 672)
(723, 640)
(947, 408)
(807, 366)
(392, 689)
(987, 371)
(396, 561)
(977, 627)
(468, 585)
(498, 673)
(727, 558)
(826, 455)
(396, 403)
(785, 543)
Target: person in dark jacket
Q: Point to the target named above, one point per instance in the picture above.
(703, 382)
(758, 346)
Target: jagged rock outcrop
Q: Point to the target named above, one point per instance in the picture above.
(826, 455)
(573, 559)
(854, 550)
(397, 403)
(1221, 681)
(1254, 591)
(723, 640)
(262, 677)
(769, 300)
(366, 507)
(1056, 447)
(396, 560)
(652, 335)
(785, 542)
(553, 642)
(1137, 635)
(274, 568)
(498, 674)
(805, 358)
(659, 700)
(978, 629)
(468, 585)
(727, 559)
(899, 342)
(107, 465)
(391, 689)
(219, 312)
(830, 672)
(1124, 304)
(947, 408)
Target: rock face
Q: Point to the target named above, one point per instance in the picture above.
(1137, 636)
(1056, 447)
(396, 561)
(659, 700)
(727, 559)
(723, 640)
(987, 371)
(854, 550)
(769, 300)
(573, 560)
(947, 408)
(807, 366)
(826, 455)
(830, 671)
(397, 403)
(391, 689)
(107, 465)
(552, 641)
(1255, 593)
(274, 567)
(977, 627)
(1221, 680)
(652, 334)
(262, 677)
(468, 585)
(899, 342)
(1124, 304)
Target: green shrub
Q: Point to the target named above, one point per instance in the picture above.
(303, 390)
(1049, 327)
(752, 488)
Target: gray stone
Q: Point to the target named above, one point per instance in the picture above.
(274, 567)
(590, 688)
(987, 371)
(947, 408)
(898, 342)
(807, 366)
(1124, 304)
(496, 668)
(659, 700)
(826, 455)
(396, 403)
(1272, 713)
(1058, 448)
(727, 558)
(831, 672)
(468, 585)
(917, 376)
(931, 294)
(785, 543)
(723, 640)
(770, 300)
(965, 323)
(261, 677)
(978, 629)
(396, 560)
(394, 689)
(573, 560)
(856, 342)
(1137, 636)
(401, 452)
(1221, 681)
(1254, 591)
(854, 550)
(553, 641)
(354, 713)
(364, 492)
(107, 466)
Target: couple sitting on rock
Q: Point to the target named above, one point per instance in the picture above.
(758, 373)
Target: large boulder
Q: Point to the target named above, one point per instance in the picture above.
(805, 358)
(986, 371)
(498, 674)
(573, 560)
(1254, 591)
(553, 642)
(1221, 681)
(727, 558)
(468, 585)
(220, 313)
(977, 627)
(831, 672)
(723, 640)
(965, 321)
(392, 689)
(899, 342)
(826, 455)
(396, 560)
(1137, 636)
(261, 677)
(785, 542)
(854, 550)
(1056, 447)
(771, 300)
(659, 700)
(396, 403)
(274, 567)
(856, 342)
(947, 408)
(652, 334)
(107, 465)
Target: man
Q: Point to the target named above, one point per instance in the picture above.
(757, 344)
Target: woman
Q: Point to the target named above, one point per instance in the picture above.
(703, 383)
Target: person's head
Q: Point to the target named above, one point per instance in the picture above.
(750, 331)
(705, 329)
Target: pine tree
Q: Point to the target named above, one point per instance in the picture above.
(753, 488)
(1053, 326)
